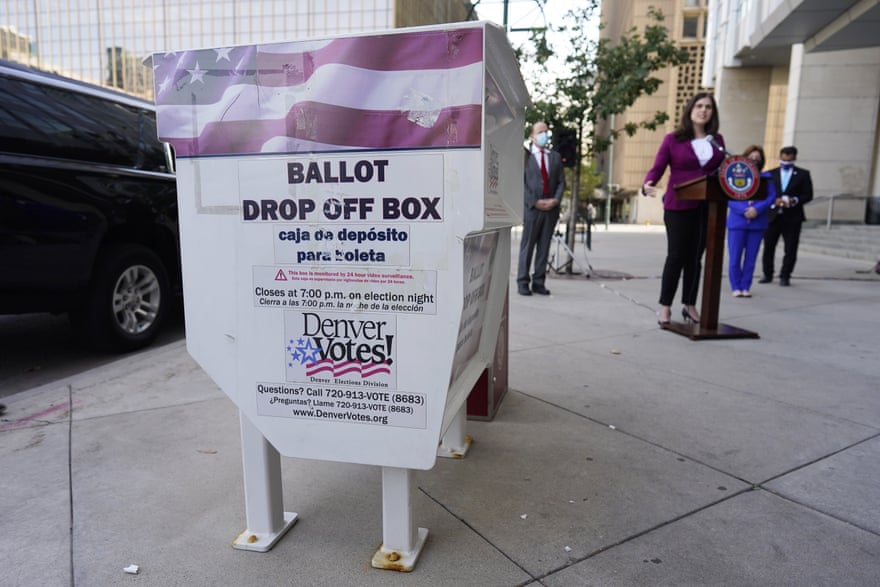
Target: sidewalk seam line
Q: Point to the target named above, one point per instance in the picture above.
(478, 533)
(639, 438)
(641, 533)
(809, 464)
(70, 477)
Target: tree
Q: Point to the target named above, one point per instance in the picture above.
(600, 78)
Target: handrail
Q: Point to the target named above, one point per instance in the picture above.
(830, 199)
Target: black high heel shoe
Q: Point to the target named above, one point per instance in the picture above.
(688, 319)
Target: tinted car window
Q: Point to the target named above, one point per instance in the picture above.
(46, 121)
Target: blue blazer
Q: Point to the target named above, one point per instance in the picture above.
(736, 209)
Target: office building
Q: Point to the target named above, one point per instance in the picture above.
(803, 73)
(627, 162)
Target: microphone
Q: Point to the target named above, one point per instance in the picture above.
(715, 144)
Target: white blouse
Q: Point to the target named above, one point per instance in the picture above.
(702, 149)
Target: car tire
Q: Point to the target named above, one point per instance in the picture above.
(128, 300)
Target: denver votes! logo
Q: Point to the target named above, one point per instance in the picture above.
(345, 349)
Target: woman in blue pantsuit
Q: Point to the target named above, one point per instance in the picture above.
(746, 222)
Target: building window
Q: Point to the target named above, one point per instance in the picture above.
(689, 27)
(691, 3)
(689, 77)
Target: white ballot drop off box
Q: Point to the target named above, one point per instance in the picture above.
(345, 210)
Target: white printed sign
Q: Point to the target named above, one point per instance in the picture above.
(341, 367)
(329, 403)
(403, 188)
(479, 254)
(383, 244)
(352, 289)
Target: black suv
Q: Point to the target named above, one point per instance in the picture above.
(88, 208)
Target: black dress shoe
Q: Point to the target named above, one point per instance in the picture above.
(540, 289)
(765, 279)
(784, 281)
(524, 290)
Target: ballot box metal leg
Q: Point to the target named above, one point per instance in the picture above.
(402, 542)
(267, 521)
(455, 443)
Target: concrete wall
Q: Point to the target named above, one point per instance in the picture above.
(827, 105)
(742, 106)
(836, 120)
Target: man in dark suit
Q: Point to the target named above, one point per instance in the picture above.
(544, 182)
(787, 214)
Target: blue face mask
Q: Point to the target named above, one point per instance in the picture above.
(541, 139)
(786, 164)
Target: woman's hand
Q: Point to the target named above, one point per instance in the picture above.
(649, 190)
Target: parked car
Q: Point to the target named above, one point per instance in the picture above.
(88, 208)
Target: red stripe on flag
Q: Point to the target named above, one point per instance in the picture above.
(345, 128)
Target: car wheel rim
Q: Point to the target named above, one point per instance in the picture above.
(136, 299)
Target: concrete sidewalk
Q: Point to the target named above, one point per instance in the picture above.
(622, 455)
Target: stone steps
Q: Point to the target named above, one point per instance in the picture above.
(842, 240)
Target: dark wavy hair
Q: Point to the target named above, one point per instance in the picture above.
(751, 149)
(685, 129)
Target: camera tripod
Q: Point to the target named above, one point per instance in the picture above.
(556, 261)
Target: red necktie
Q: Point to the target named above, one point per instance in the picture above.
(544, 175)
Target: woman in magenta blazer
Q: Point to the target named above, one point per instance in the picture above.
(694, 149)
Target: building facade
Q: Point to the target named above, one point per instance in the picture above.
(106, 41)
(784, 72)
(627, 162)
(803, 73)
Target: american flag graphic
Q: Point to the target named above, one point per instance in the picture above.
(413, 90)
(340, 368)
(304, 351)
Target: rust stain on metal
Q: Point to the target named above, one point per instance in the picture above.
(468, 440)
(252, 538)
(387, 561)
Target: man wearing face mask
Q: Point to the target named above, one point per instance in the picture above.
(544, 182)
(796, 189)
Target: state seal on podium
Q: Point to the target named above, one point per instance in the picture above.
(739, 178)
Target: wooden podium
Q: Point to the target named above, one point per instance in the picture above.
(707, 189)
